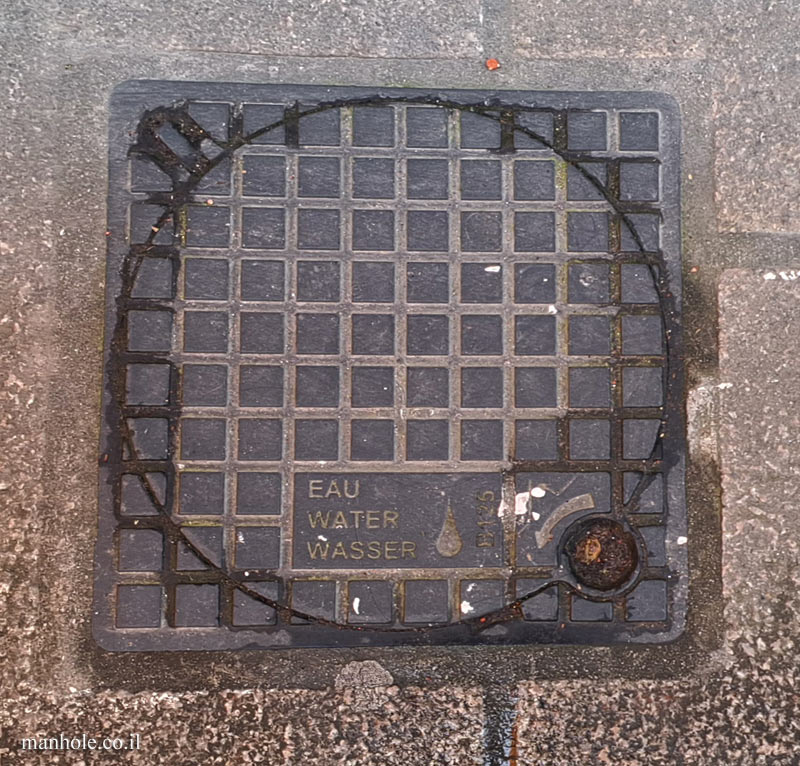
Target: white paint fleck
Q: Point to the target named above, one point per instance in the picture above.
(492, 269)
(551, 309)
(770, 275)
(521, 503)
(239, 537)
(722, 386)
(538, 492)
(682, 540)
(466, 607)
(323, 538)
(357, 605)
(790, 275)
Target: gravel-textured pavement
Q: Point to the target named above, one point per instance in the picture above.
(726, 693)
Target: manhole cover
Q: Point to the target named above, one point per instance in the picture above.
(391, 367)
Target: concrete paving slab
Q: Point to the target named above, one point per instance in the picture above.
(359, 724)
(757, 152)
(760, 35)
(759, 397)
(626, 29)
(410, 28)
(738, 718)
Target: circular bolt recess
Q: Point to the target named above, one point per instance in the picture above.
(602, 554)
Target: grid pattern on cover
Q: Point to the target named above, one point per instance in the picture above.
(480, 291)
(393, 288)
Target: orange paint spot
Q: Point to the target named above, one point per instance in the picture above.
(492, 64)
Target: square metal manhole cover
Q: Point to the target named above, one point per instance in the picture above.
(390, 367)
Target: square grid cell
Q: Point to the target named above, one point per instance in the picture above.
(392, 288)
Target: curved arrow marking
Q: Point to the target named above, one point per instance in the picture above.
(573, 505)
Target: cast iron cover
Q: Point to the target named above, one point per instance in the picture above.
(390, 366)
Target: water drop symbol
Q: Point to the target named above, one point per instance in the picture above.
(449, 542)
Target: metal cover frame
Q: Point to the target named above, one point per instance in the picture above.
(132, 102)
